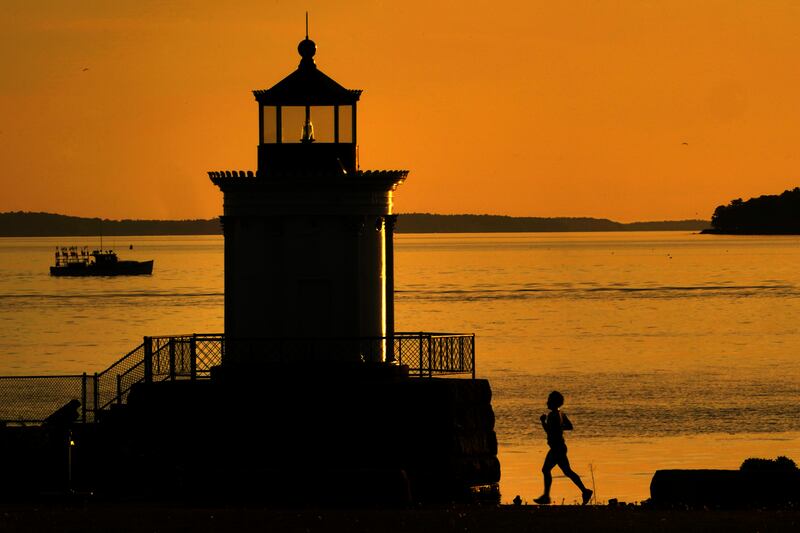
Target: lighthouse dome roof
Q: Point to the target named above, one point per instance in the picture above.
(307, 85)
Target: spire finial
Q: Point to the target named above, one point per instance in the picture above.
(307, 49)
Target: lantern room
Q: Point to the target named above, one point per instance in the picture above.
(307, 122)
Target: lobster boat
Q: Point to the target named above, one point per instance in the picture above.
(74, 261)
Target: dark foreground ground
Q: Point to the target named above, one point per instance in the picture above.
(97, 517)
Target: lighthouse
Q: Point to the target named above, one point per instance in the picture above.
(308, 235)
(314, 395)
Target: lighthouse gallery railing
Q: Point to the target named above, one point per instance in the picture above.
(31, 399)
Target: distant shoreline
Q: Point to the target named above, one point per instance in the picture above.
(26, 224)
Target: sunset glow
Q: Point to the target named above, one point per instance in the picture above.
(624, 110)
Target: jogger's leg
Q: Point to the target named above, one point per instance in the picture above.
(547, 467)
(565, 467)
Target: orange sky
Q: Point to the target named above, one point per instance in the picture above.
(523, 108)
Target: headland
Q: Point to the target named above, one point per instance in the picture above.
(773, 214)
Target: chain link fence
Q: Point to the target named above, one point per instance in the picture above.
(27, 400)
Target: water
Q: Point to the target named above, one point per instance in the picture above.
(673, 350)
(70, 325)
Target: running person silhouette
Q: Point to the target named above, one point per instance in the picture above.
(554, 423)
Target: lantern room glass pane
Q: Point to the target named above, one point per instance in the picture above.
(322, 119)
(293, 119)
(270, 133)
(345, 123)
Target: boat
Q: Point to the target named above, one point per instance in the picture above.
(74, 261)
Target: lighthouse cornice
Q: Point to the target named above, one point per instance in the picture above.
(303, 179)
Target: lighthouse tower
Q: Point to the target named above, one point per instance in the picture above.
(310, 348)
(308, 236)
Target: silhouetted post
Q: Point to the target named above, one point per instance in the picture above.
(421, 356)
(472, 351)
(148, 359)
(96, 395)
(388, 232)
(70, 443)
(193, 357)
(119, 389)
(83, 398)
(171, 350)
(430, 355)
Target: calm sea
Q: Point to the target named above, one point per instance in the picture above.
(673, 350)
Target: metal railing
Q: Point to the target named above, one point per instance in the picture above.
(435, 353)
(425, 354)
(31, 399)
(159, 359)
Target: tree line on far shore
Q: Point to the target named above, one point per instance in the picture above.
(774, 214)
(25, 224)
